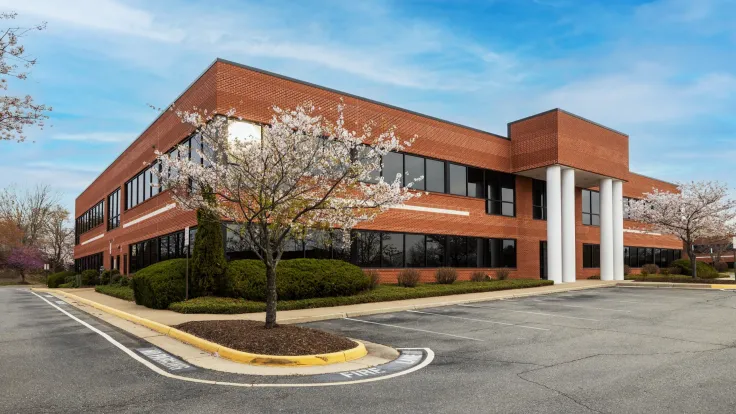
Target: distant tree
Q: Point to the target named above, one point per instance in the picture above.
(29, 211)
(699, 210)
(300, 172)
(25, 259)
(58, 238)
(17, 112)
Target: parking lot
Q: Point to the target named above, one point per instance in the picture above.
(604, 350)
(617, 350)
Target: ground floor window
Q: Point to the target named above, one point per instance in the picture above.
(633, 256)
(93, 261)
(157, 249)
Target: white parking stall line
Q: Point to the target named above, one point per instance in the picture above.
(549, 302)
(600, 299)
(531, 313)
(415, 329)
(480, 320)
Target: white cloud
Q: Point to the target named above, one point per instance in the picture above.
(104, 137)
(103, 15)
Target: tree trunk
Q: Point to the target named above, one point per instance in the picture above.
(693, 263)
(22, 276)
(271, 295)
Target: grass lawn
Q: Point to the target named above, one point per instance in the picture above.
(382, 293)
(121, 292)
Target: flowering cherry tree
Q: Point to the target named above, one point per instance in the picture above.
(24, 259)
(17, 112)
(300, 172)
(699, 210)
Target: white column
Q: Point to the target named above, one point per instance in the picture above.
(618, 230)
(606, 201)
(568, 225)
(554, 224)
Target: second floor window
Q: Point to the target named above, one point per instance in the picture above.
(591, 208)
(539, 200)
(113, 207)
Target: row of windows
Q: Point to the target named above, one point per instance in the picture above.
(157, 249)
(633, 256)
(113, 210)
(497, 188)
(383, 249)
(146, 184)
(93, 262)
(89, 220)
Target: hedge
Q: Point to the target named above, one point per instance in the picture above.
(296, 279)
(678, 279)
(381, 293)
(160, 284)
(705, 271)
(56, 279)
(90, 277)
(120, 292)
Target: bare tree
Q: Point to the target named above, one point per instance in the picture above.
(58, 239)
(714, 247)
(28, 211)
(17, 112)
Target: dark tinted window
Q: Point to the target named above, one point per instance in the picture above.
(500, 253)
(392, 250)
(476, 187)
(393, 165)
(539, 200)
(435, 179)
(436, 250)
(368, 245)
(500, 189)
(591, 208)
(415, 250)
(458, 179)
(414, 167)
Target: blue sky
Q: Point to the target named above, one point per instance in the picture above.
(663, 71)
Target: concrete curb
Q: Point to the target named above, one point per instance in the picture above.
(671, 285)
(234, 355)
(368, 312)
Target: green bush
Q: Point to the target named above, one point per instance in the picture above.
(502, 274)
(124, 281)
(408, 278)
(674, 270)
(296, 279)
(109, 276)
(119, 292)
(208, 256)
(56, 279)
(478, 276)
(160, 284)
(445, 275)
(68, 285)
(664, 271)
(705, 271)
(90, 277)
(381, 294)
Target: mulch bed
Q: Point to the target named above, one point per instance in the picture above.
(251, 336)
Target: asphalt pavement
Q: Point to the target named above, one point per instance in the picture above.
(622, 350)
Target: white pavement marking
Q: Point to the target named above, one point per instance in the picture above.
(549, 302)
(415, 329)
(599, 298)
(479, 320)
(156, 369)
(531, 313)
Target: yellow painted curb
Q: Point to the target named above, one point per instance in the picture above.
(730, 287)
(232, 354)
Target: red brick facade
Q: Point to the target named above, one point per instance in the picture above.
(554, 137)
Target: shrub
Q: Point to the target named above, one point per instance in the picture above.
(208, 257)
(160, 284)
(374, 278)
(119, 292)
(67, 285)
(408, 277)
(502, 274)
(445, 275)
(649, 269)
(124, 281)
(56, 279)
(595, 277)
(674, 270)
(705, 271)
(296, 279)
(478, 277)
(720, 267)
(109, 276)
(90, 277)
(627, 270)
(664, 271)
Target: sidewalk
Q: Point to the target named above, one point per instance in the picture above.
(171, 318)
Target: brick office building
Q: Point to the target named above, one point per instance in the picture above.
(544, 201)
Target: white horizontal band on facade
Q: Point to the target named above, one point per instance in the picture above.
(149, 215)
(642, 232)
(98, 237)
(433, 210)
